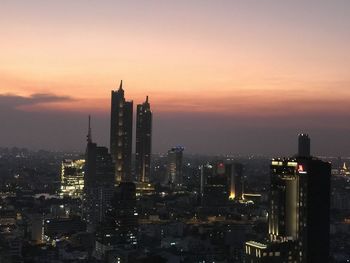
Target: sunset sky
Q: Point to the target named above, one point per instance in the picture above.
(241, 76)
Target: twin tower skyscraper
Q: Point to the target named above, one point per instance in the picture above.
(121, 136)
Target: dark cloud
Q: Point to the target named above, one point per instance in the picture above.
(40, 129)
(15, 101)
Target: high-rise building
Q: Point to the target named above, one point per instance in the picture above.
(314, 209)
(174, 165)
(72, 178)
(126, 216)
(99, 183)
(121, 134)
(120, 228)
(303, 145)
(143, 141)
(299, 212)
(284, 200)
(234, 172)
(215, 192)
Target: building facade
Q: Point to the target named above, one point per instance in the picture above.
(99, 183)
(143, 142)
(121, 134)
(174, 166)
(72, 178)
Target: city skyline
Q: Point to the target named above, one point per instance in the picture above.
(222, 71)
(185, 131)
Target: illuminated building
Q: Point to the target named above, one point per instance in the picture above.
(344, 170)
(143, 142)
(174, 165)
(257, 252)
(72, 178)
(234, 172)
(121, 134)
(284, 200)
(144, 188)
(299, 211)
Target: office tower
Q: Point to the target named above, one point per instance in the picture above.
(174, 165)
(215, 191)
(234, 173)
(299, 212)
(72, 178)
(143, 141)
(284, 199)
(303, 145)
(121, 134)
(314, 211)
(99, 183)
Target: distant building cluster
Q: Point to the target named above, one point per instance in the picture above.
(110, 205)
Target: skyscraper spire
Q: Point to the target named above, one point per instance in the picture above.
(121, 85)
(89, 138)
(147, 99)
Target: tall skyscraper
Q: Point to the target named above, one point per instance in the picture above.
(303, 145)
(99, 182)
(314, 209)
(143, 141)
(174, 165)
(299, 212)
(121, 134)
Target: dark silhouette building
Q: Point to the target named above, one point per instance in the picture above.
(221, 182)
(215, 192)
(143, 141)
(124, 204)
(299, 211)
(120, 227)
(99, 183)
(303, 145)
(314, 209)
(121, 134)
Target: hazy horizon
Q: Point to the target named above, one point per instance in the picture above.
(222, 77)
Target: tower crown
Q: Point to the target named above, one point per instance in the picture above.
(121, 85)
